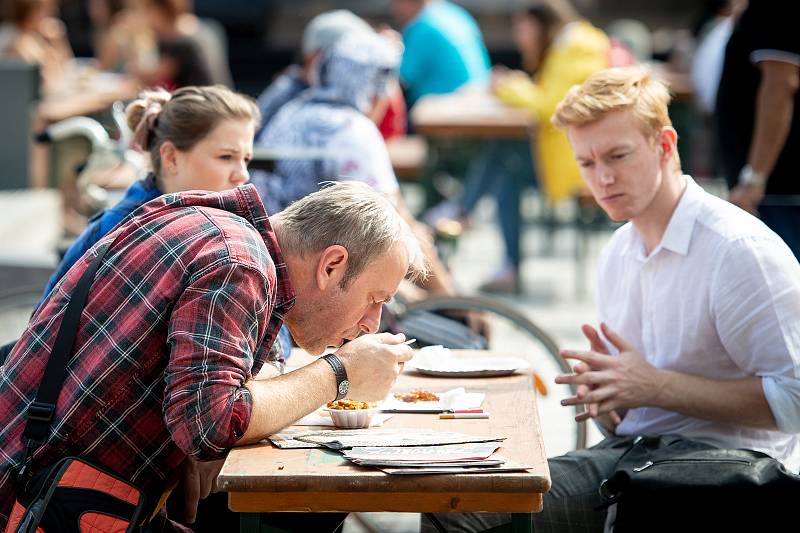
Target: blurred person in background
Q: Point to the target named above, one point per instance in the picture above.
(181, 60)
(197, 138)
(122, 41)
(758, 121)
(711, 33)
(334, 116)
(558, 50)
(213, 42)
(319, 35)
(444, 48)
(31, 33)
(569, 49)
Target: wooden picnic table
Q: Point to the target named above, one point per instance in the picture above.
(87, 94)
(457, 125)
(263, 478)
(407, 154)
(469, 114)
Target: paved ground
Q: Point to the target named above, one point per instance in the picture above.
(30, 228)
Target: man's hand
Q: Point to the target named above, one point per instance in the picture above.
(596, 344)
(199, 480)
(373, 363)
(607, 383)
(748, 197)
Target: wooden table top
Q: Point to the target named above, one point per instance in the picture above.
(321, 480)
(87, 96)
(469, 114)
(407, 154)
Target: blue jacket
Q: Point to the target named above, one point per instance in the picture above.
(99, 225)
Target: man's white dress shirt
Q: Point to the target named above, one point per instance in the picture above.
(719, 297)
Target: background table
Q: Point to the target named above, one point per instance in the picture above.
(87, 95)
(457, 126)
(469, 114)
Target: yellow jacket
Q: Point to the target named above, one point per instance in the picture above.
(578, 51)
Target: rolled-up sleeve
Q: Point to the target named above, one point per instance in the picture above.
(783, 395)
(214, 332)
(759, 321)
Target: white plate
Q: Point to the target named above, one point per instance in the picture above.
(452, 399)
(472, 367)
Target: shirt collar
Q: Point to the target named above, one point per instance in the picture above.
(678, 235)
(250, 202)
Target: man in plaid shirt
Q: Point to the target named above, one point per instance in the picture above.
(180, 320)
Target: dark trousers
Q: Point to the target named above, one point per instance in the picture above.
(571, 505)
(503, 168)
(783, 220)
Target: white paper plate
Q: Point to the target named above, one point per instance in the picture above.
(453, 399)
(478, 367)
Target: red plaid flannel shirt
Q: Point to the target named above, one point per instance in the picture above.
(183, 310)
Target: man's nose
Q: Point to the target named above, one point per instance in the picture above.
(605, 175)
(371, 320)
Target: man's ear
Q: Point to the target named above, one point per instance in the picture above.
(169, 157)
(667, 143)
(331, 266)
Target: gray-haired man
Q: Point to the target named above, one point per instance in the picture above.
(181, 317)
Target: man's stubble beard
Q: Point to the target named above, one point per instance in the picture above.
(309, 320)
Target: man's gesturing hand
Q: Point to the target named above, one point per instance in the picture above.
(373, 363)
(606, 383)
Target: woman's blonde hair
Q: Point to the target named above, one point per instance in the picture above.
(184, 117)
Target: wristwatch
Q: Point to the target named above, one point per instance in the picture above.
(342, 383)
(748, 176)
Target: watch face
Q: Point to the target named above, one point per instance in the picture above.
(344, 386)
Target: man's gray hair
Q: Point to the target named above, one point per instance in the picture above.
(353, 215)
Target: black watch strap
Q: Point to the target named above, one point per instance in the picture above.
(342, 383)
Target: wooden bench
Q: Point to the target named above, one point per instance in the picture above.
(409, 156)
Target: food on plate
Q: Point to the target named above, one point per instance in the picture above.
(347, 404)
(416, 395)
